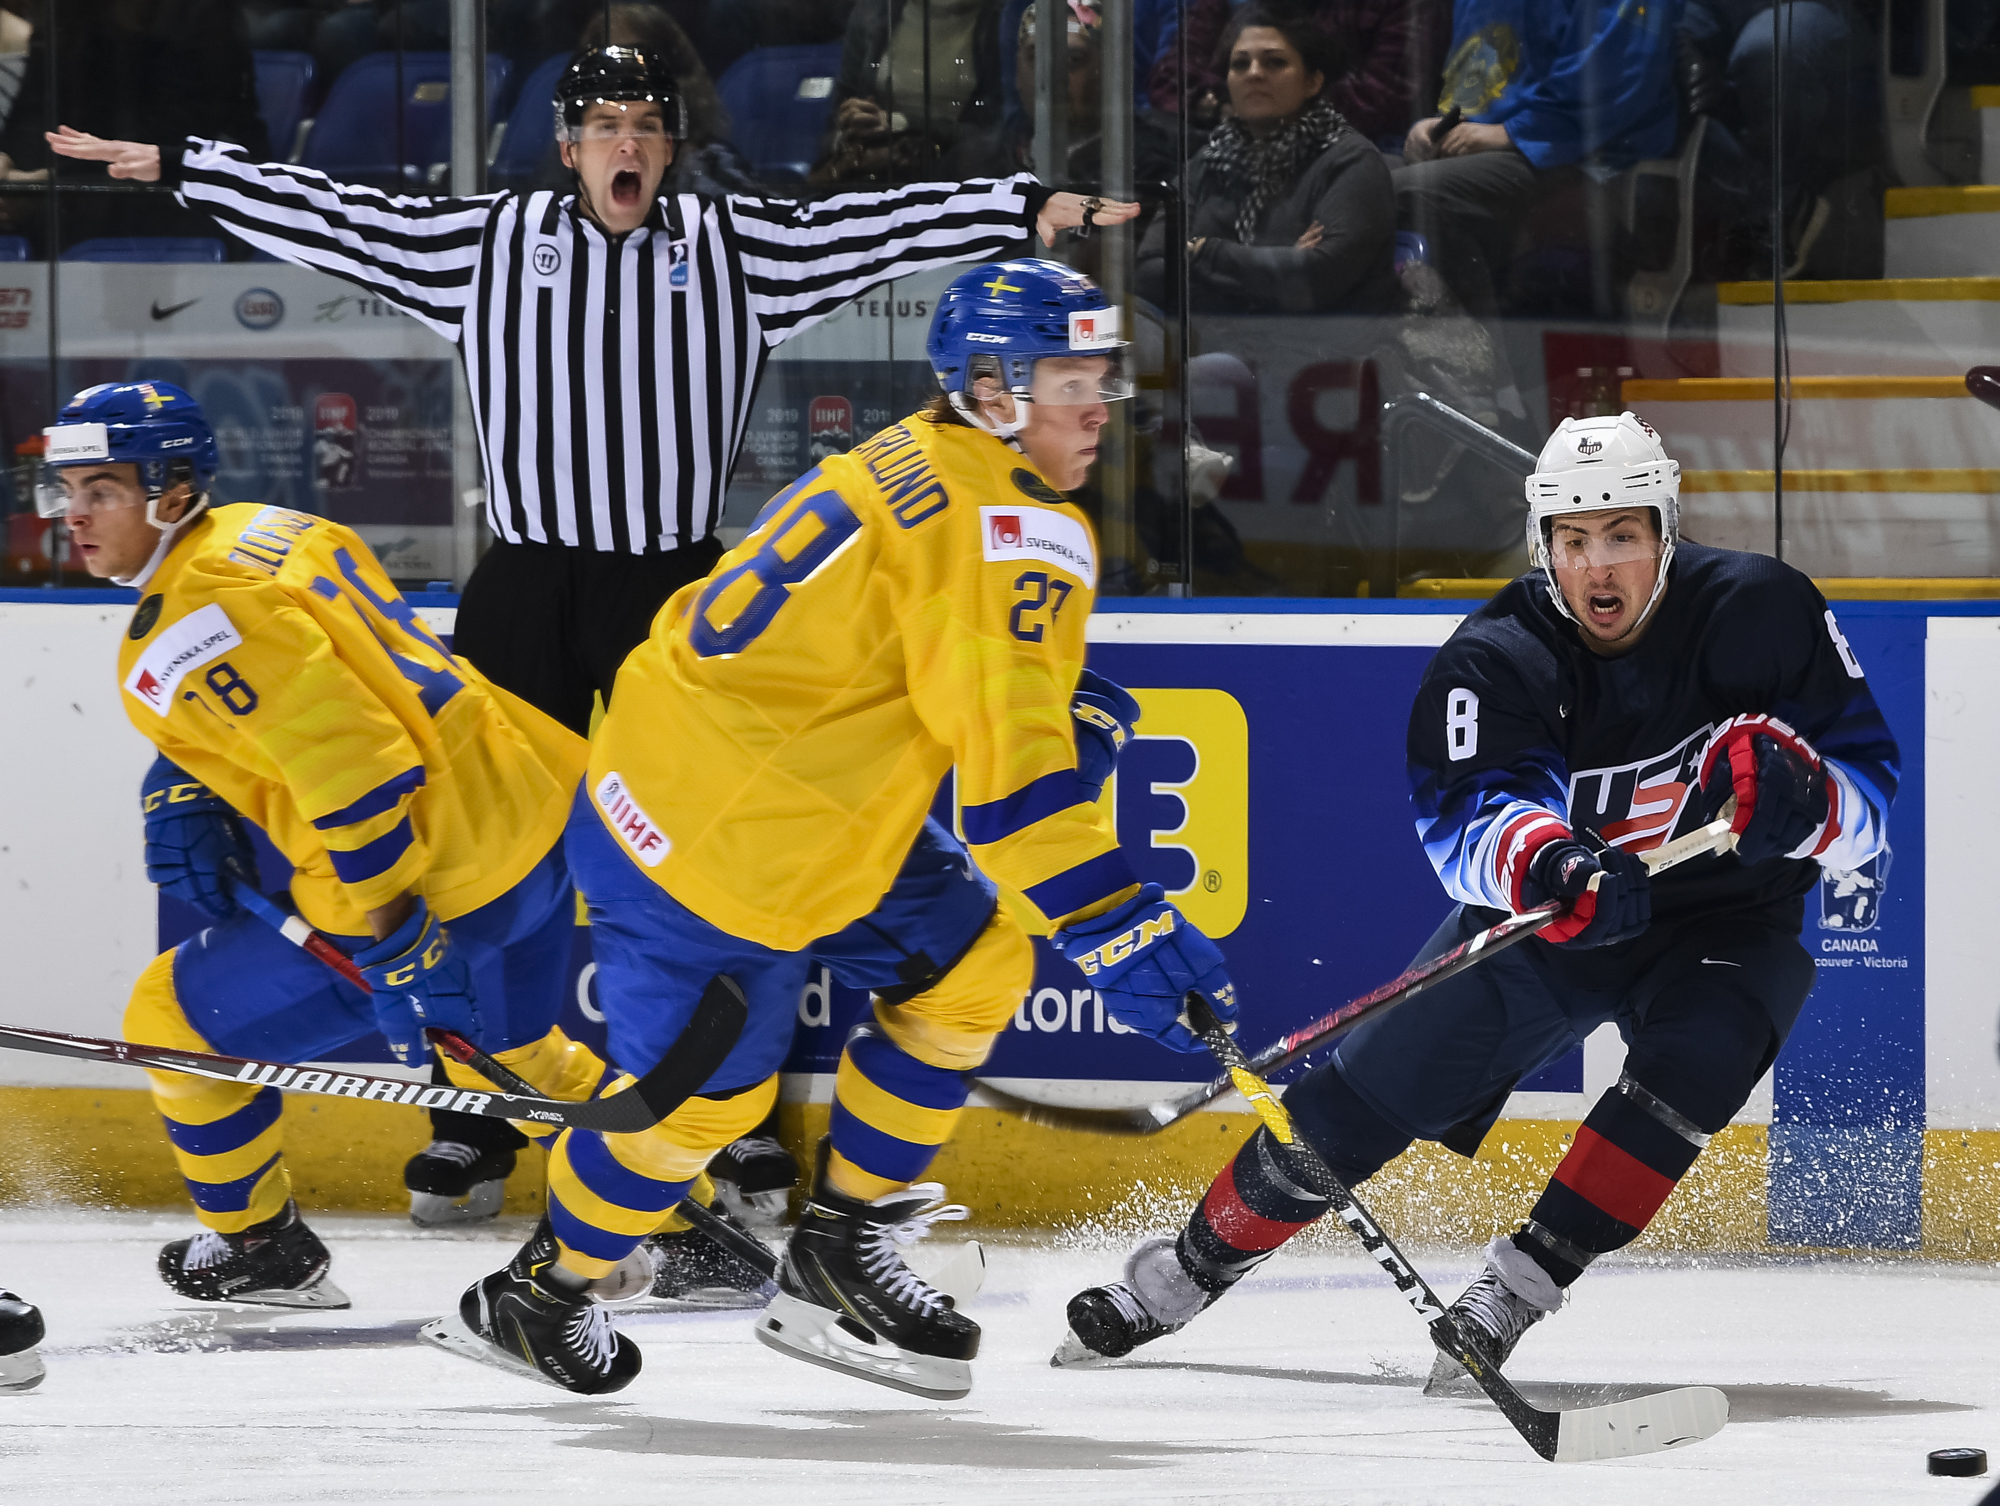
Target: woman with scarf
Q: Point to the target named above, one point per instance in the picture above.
(1290, 208)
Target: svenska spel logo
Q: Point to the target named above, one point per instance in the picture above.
(1006, 530)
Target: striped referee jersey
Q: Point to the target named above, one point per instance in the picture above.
(611, 377)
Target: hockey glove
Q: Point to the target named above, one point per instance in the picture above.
(1104, 715)
(420, 983)
(1144, 956)
(195, 844)
(1617, 908)
(1783, 804)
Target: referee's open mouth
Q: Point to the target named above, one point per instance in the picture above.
(625, 188)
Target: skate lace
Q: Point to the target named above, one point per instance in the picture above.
(590, 1334)
(453, 1151)
(1130, 1308)
(758, 1148)
(204, 1250)
(882, 1245)
(1488, 1303)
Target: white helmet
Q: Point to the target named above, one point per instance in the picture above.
(1601, 465)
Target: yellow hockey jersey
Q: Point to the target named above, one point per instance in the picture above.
(773, 747)
(272, 659)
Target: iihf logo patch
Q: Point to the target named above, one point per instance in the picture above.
(1850, 899)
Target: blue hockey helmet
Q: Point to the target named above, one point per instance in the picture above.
(995, 322)
(153, 425)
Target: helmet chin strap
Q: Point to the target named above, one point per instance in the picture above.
(974, 414)
(168, 533)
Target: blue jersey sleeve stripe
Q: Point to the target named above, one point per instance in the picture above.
(375, 858)
(1034, 801)
(1086, 883)
(383, 797)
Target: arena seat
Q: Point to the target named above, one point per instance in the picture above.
(147, 248)
(13, 248)
(284, 85)
(354, 137)
(778, 100)
(524, 136)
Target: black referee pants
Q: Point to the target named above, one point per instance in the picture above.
(552, 624)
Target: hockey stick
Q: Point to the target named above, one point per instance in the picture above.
(1618, 1430)
(294, 929)
(706, 1040)
(1150, 1119)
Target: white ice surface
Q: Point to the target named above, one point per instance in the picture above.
(1301, 1386)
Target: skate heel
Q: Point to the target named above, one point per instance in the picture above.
(821, 1336)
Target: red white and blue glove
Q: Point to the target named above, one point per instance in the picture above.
(1104, 713)
(1617, 907)
(1144, 956)
(196, 848)
(1784, 800)
(420, 983)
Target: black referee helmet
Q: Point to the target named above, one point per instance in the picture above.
(617, 75)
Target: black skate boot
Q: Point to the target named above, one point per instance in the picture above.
(1156, 1298)
(526, 1318)
(451, 1182)
(20, 1331)
(278, 1263)
(754, 1177)
(1505, 1300)
(692, 1269)
(847, 1301)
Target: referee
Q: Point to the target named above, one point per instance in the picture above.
(613, 338)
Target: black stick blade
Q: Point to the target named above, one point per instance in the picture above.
(707, 1039)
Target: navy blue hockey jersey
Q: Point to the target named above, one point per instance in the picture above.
(1517, 724)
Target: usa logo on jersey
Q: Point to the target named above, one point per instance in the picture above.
(1639, 806)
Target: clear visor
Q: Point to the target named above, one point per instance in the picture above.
(62, 490)
(1062, 381)
(636, 120)
(1623, 544)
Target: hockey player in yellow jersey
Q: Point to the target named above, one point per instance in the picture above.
(758, 797)
(283, 678)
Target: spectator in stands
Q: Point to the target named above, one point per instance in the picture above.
(144, 70)
(1290, 206)
(736, 26)
(1393, 49)
(1830, 124)
(913, 77)
(1536, 88)
(1154, 23)
(1008, 145)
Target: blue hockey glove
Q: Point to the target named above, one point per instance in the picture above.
(1143, 957)
(1104, 715)
(419, 983)
(1783, 800)
(1618, 908)
(195, 844)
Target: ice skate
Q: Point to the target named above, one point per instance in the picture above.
(278, 1263)
(20, 1331)
(452, 1183)
(1505, 1300)
(754, 1178)
(525, 1319)
(691, 1269)
(1156, 1297)
(847, 1300)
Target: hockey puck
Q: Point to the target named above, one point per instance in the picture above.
(1957, 1461)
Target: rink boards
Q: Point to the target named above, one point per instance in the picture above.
(1265, 792)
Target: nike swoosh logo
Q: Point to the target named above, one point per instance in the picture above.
(173, 308)
(1718, 962)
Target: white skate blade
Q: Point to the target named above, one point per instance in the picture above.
(761, 1211)
(1073, 1354)
(322, 1294)
(1644, 1425)
(433, 1210)
(22, 1371)
(450, 1334)
(959, 1274)
(814, 1334)
(1450, 1380)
